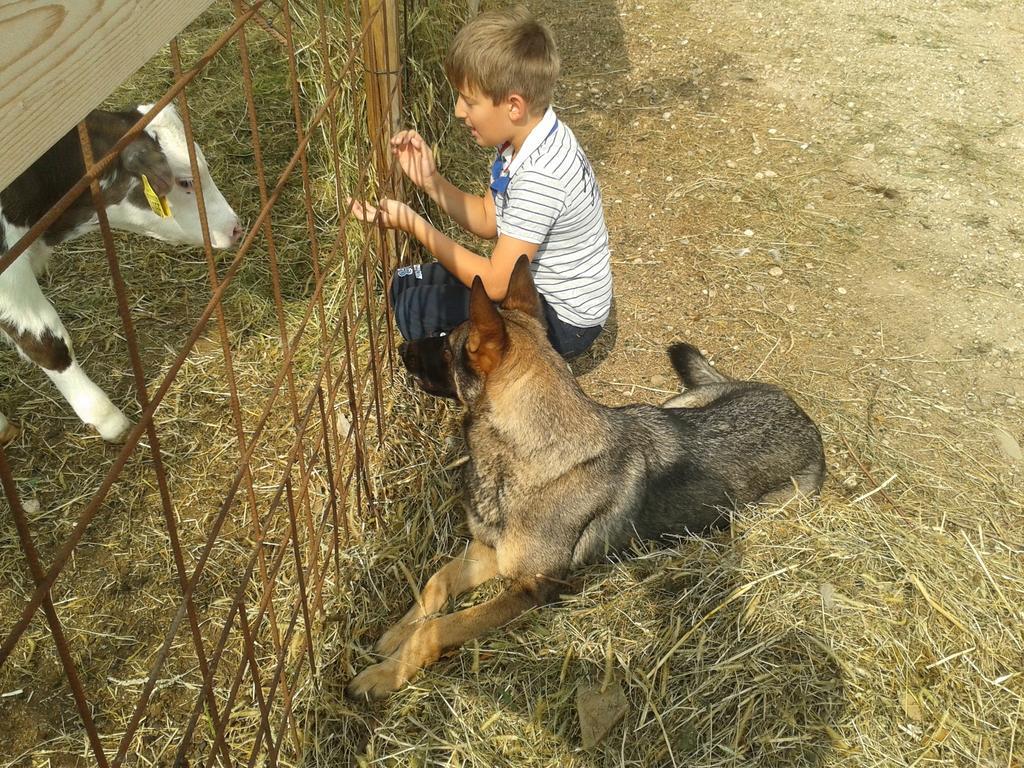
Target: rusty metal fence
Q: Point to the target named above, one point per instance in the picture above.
(228, 641)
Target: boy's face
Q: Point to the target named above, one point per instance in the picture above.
(490, 124)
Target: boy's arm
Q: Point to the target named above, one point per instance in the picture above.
(474, 214)
(465, 265)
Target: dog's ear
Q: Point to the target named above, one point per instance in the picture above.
(487, 338)
(522, 293)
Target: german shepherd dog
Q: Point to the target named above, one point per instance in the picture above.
(555, 480)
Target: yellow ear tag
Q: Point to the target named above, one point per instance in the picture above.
(158, 204)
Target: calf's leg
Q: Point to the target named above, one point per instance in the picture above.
(29, 320)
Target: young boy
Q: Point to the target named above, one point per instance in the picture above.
(543, 199)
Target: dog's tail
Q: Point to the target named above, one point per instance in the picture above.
(693, 368)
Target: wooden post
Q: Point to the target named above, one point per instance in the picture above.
(61, 58)
(382, 69)
(381, 63)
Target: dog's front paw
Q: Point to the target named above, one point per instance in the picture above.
(377, 681)
(392, 640)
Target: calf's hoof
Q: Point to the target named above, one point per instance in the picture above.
(114, 428)
(8, 432)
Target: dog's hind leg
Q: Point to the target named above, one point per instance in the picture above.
(804, 484)
(475, 566)
(434, 636)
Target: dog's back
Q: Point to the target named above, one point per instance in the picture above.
(680, 468)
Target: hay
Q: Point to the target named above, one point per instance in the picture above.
(880, 626)
(845, 632)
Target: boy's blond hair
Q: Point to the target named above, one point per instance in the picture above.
(503, 52)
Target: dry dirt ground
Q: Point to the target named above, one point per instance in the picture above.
(826, 194)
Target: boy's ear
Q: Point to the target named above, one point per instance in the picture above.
(487, 337)
(522, 293)
(517, 108)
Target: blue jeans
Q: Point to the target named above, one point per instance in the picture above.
(428, 300)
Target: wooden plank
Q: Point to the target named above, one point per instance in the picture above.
(381, 72)
(61, 58)
(381, 68)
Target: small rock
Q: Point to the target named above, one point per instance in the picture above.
(867, 149)
(1008, 444)
(775, 271)
(911, 706)
(791, 307)
(828, 596)
(748, 232)
(638, 260)
(730, 164)
(599, 711)
(841, 291)
(858, 351)
(770, 174)
(993, 203)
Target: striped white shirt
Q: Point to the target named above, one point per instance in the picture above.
(552, 199)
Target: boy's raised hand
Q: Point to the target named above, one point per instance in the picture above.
(415, 157)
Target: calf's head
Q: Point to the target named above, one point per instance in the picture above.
(161, 155)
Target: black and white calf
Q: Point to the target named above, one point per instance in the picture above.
(161, 154)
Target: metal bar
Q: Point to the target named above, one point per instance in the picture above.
(293, 87)
(291, 458)
(332, 491)
(226, 505)
(225, 339)
(268, 233)
(139, 376)
(56, 632)
(134, 434)
(268, 584)
(362, 404)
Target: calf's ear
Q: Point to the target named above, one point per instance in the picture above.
(143, 157)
